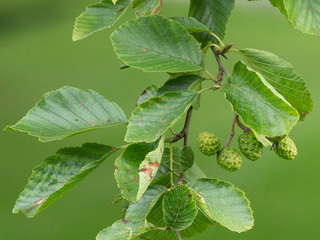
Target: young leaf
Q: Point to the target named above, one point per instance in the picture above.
(147, 94)
(154, 117)
(157, 44)
(144, 7)
(212, 13)
(69, 111)
(281, 75)
(123, 230)
(98, 16)
(128, 167)
(140, 209)
(149, 167)
(199, 225)
(186, 158)
(261, 108)
(179, 208)
(227, 204)
(58, 174)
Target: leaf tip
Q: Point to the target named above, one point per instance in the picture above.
(8, 128)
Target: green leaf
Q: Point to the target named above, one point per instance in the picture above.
(212, 13)
(154, 117)
(200, 224)
(279, 4)
(281, 75)
(140, 209)
(180, 83)
(144, 7)
(123, 230)
(58, 174)
(147, 94)
(160, 234)
(192, 25)
(261, 108)
(149, 167)
(303, 15)
(128, 167)
(155, 216)
(114, 1)
(186, 158)
(163, 175)
(227, 204)
(97, 17)
(157, 44)
(69, 111)
(179, 208)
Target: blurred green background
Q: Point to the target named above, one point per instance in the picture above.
(37, 55)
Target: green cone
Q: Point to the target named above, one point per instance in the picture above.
(229, 159)
(209, 144)
(286, 149)
(249, 146)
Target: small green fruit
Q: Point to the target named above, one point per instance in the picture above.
(209, 144)
(286, 149)
(249, 146)
(229, 159)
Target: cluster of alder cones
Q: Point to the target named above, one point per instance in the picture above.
(230, 159)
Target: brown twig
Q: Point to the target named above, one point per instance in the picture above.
(222, 69)
(242, 126)
(183, 134)
(184, 131)
(178, 234)
(232, 130)
(159, 6)
(274, 145)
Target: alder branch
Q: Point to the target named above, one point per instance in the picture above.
(232, 130)
(184, 132)
(222, 69)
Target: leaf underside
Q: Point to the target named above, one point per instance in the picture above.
(58, 174)
(281, 75)
(122, 230)
(69, 111)
(128, 168)
(157, 44)
(149, 167)
(97, 17)
(261, 108)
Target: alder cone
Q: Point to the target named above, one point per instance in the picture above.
(209, 144)
(229, 159)
(249, 146)
(286, 149)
